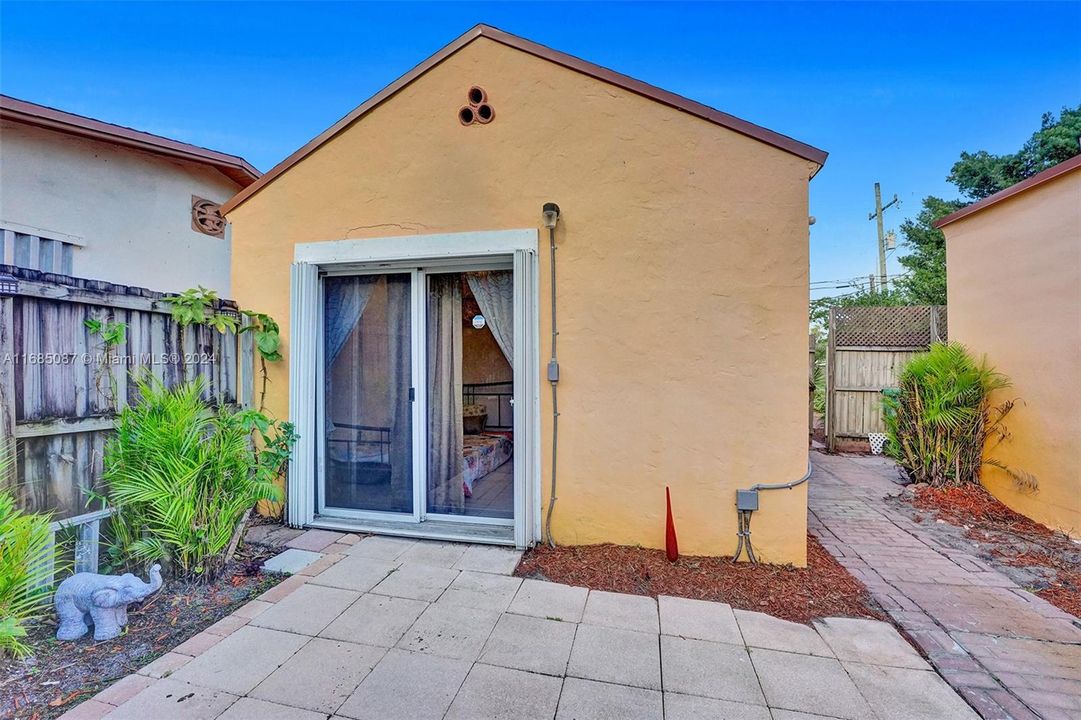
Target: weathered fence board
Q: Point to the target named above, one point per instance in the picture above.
(866, 350)
(7, 368)
(61, 388)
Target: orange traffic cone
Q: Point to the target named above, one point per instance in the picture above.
(671, 547)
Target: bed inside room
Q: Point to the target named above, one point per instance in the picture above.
(488, 462)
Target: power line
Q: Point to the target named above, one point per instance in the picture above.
(840, 281)
(862, 287)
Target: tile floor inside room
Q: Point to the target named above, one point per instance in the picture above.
(385, 628)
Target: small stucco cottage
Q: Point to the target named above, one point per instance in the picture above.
(525, 294)
(1013, 262)
(83, 197)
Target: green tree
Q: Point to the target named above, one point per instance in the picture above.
(981, 173)
(978, 175)
(924, 283)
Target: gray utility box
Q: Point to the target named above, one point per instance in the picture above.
(746, 500)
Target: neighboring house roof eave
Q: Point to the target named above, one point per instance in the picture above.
(235, 168)
(783, 142)
(1038, 179)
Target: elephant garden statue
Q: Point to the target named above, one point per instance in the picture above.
(101, 600)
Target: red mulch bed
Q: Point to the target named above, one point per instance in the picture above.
(822, 589)
(1011, 539)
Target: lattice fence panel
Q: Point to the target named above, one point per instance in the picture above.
(868, 347)
(904, 326)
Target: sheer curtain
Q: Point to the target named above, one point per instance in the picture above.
(494, 291)
(344, 301)
(399, 332)
(445, 433)
(346, 298)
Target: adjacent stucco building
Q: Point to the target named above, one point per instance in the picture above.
(1014, 267)
(681, 291)
(87, 198)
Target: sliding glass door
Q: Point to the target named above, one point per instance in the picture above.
(367, 403)
(417, 408)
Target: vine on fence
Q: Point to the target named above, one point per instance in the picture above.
(267, 338)
(112, 334)
(195, 306)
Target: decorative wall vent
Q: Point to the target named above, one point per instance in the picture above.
(478, 110)
(206, 217)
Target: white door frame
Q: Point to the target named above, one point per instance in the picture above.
(401, 253)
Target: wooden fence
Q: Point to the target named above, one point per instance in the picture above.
(867, 347)
(61, 387)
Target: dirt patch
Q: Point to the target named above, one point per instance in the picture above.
(59, 675)
(822, 589)
(1043, 561)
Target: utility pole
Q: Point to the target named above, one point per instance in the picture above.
(877, 214)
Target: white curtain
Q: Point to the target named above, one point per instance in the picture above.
(445, 432)
(399, 336)
(494, 291)
(346, 298)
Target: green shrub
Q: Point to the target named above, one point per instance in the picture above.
(941, 421)
(27, 556)
(182, 476)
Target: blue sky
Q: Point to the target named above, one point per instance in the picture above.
(894, 92)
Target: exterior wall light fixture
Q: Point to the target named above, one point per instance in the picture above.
(550, 213)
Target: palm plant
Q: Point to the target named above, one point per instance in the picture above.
(941, 421)
(182, 476)
(27, 558)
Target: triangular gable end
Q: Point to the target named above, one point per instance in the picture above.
(782, 142)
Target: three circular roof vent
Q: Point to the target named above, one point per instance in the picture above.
(478, 110)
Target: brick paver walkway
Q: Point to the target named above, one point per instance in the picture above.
(1011, 654)
(388, 629)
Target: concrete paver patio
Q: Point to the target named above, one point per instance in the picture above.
(1010, 653)
(414, 630)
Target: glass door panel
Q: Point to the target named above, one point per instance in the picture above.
(368, 426)
(469, 384)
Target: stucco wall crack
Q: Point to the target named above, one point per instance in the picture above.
(409, 226)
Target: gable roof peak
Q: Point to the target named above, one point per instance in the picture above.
(731, 122)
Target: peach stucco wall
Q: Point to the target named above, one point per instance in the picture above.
(1014, 273)
(682, 264)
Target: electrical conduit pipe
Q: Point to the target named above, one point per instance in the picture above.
(747, 503)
